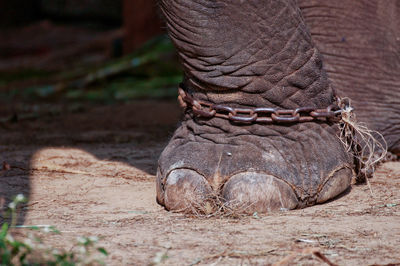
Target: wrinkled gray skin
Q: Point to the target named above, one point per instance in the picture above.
(285, 54)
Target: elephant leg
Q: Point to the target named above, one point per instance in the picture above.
(249, 54)
(362, 57)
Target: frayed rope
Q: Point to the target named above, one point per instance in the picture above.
(368, 147)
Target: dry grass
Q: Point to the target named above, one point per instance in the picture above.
(214, 205)
(368, 147)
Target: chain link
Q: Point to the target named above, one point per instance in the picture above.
(258, 115)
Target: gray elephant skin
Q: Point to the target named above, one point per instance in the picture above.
(283, 54)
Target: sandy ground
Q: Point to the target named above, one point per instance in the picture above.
(92, 173)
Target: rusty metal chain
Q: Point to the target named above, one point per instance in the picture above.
(258, 115)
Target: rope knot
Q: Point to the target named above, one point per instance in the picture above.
(367, 146)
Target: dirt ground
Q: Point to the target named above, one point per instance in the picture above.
(91, 172)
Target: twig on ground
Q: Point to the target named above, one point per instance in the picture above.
(234, 254)
(316, 252)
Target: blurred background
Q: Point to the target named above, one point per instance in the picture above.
(93, 77)
(97, 51)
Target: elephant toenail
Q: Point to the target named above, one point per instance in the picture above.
(251, 192)
(337, 183)
(186, 190)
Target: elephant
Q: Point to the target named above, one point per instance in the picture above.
(250, 68)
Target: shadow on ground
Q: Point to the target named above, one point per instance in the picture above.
(132, 134)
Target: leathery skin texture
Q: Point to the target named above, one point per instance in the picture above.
(250, 54)
(266, 170)
(360, 42)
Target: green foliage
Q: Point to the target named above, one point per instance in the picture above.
(32, 251)
(151, 71)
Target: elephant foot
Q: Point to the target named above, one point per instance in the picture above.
(213, 164)
(235, 71)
